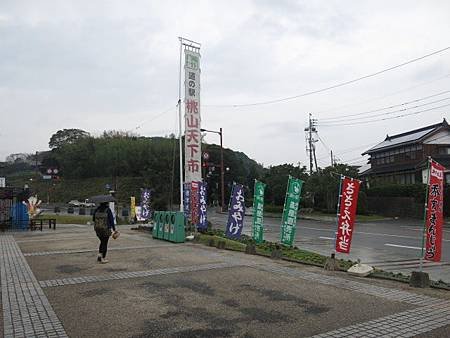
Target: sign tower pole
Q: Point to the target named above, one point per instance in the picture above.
(180, 127)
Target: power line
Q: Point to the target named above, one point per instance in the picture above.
(349, 150)
(387, 113)
(341, 84)
(385, 108)
(387, 118)
(355, 159)
(151, 119)
(384, 96)
(323, 143)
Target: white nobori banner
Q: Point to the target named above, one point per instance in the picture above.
(192, 164)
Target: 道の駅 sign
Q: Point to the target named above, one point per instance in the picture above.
(193, 165)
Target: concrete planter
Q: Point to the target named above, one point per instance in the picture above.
(250, 249)
(419, 279)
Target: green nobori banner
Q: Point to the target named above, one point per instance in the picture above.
(291, 203)
(258, 211)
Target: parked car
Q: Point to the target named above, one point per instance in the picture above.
(87, 204)
(74, 203)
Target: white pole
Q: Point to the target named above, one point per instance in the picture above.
(180, 131)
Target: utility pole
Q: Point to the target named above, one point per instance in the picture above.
(222, 168)
(222, 174)
(332, 161)
(310, 147)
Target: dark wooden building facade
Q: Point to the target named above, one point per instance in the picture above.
(402, 158)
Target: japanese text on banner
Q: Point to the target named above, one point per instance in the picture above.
(236, 213)
(258, 212)
(202, 222)
(347, 213)
(192, 134)
(289, 221)
(434, 216)
(195, 203)
(187, 200)
(146, 212)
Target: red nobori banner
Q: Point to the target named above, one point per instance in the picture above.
(347, 213)
(195, 200)
(434, 214)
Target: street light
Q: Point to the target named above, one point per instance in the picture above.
(221, 165)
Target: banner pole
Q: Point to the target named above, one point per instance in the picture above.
(254, 211)
(425, 213)
(180, 128)
(338, 212)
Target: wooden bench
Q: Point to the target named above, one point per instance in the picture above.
(38, 223)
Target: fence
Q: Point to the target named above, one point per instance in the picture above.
(13, 213)
(401, 206)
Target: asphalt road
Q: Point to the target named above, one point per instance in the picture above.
(392, 245)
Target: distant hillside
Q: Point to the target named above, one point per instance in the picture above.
(129, 163)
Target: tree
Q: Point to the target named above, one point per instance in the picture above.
(322, 187)
(66, 136)
(19, 157)
(276, 178)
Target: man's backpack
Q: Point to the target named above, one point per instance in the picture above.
(101, 224)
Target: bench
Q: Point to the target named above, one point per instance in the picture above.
(38, 223)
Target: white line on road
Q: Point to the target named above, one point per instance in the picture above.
(410, 227)
(418, 229)
(332, 238)
(403, 246)
(370, 233)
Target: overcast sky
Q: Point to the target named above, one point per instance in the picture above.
(99, 65)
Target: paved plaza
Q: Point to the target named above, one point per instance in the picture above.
(51, 286)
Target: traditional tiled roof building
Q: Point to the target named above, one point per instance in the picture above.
(402, 158)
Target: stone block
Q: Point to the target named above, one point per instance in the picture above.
(250, 249)
(419, 279)
(276, 254)
(221, 245)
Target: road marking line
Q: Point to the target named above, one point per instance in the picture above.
(409, 227)
(371, 233)
(418, 228)
(404, 246)
(321, 237)
(411, 263)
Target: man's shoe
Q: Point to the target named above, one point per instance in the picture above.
(104, 261)
(99, 258)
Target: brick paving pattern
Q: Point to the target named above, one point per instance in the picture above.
(431, 314)
(403, 324)
(136, 274)
(372, 290)
(58, 252)
(26, 310)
